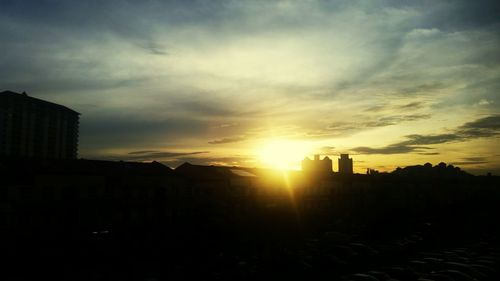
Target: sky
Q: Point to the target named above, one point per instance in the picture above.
(266, 83)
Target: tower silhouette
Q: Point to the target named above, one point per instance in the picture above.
(345, 164)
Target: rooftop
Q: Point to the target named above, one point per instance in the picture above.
(24, 96)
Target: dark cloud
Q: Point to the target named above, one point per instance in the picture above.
(375, 108)
(412, 105)
(149, 155)
(390, 149)
(347, 128)
(153, 48)
(464, 163)
(405, 107)
(476, 158)
(202, 107)
(230, 160)
(131, 125)
(429, 153)
(127, 18)
(396, 119)
(227, 140)
(422, 89)
(483, 127)
(462, 14)
(225, 161)
(142, 152)
(471, 161)
(341, 127)
(430, 139)
(118, 130)
(72, 86)
(160, 156)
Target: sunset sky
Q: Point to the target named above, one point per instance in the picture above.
(393, 83)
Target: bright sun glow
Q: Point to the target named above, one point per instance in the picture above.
(283, 154)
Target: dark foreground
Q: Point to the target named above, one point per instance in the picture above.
(452, 247)
(121, 221)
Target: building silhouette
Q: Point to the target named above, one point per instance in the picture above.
(317, 165)
(35, 128)
(345, 164)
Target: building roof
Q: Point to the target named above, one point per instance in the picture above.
(26, 166)
(242, 173)
(212, 172)
(24, 97)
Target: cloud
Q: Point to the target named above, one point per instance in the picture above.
(422, 89)
(153, 48)
(471, 161)
(142, 152)
(396, 119)
(430, 139)
(415, 105)
(464, 163)
(227, 140)
(484, 127)
(412, 105)
(232, 161)
(118, 130)
(343, 128)
(462, 14)
(151, 154)
(476, 158)
(201, 107)
(429, 153)
(390, 149)
(154, 155)
(243, 161)
(376, 108)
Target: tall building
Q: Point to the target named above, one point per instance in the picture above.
(345, 164)
(317, 166)
(31, 127)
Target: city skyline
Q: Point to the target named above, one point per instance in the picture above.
(34, 129)
(250, 83)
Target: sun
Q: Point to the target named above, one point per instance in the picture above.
(283, 154)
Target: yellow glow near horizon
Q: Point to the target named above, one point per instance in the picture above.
(283, 154)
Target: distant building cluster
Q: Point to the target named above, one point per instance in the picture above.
(317, 165)
(50, 194)
(35, 128)
(324, 166)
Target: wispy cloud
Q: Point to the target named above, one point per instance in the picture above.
(412, 105)
(227, 140)
(397, 148)
(342, 128)
(483, 127)
(471, 161)
(155, 155)
(220, 161)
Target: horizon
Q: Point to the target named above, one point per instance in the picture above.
(299, 169)
(258, 84)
